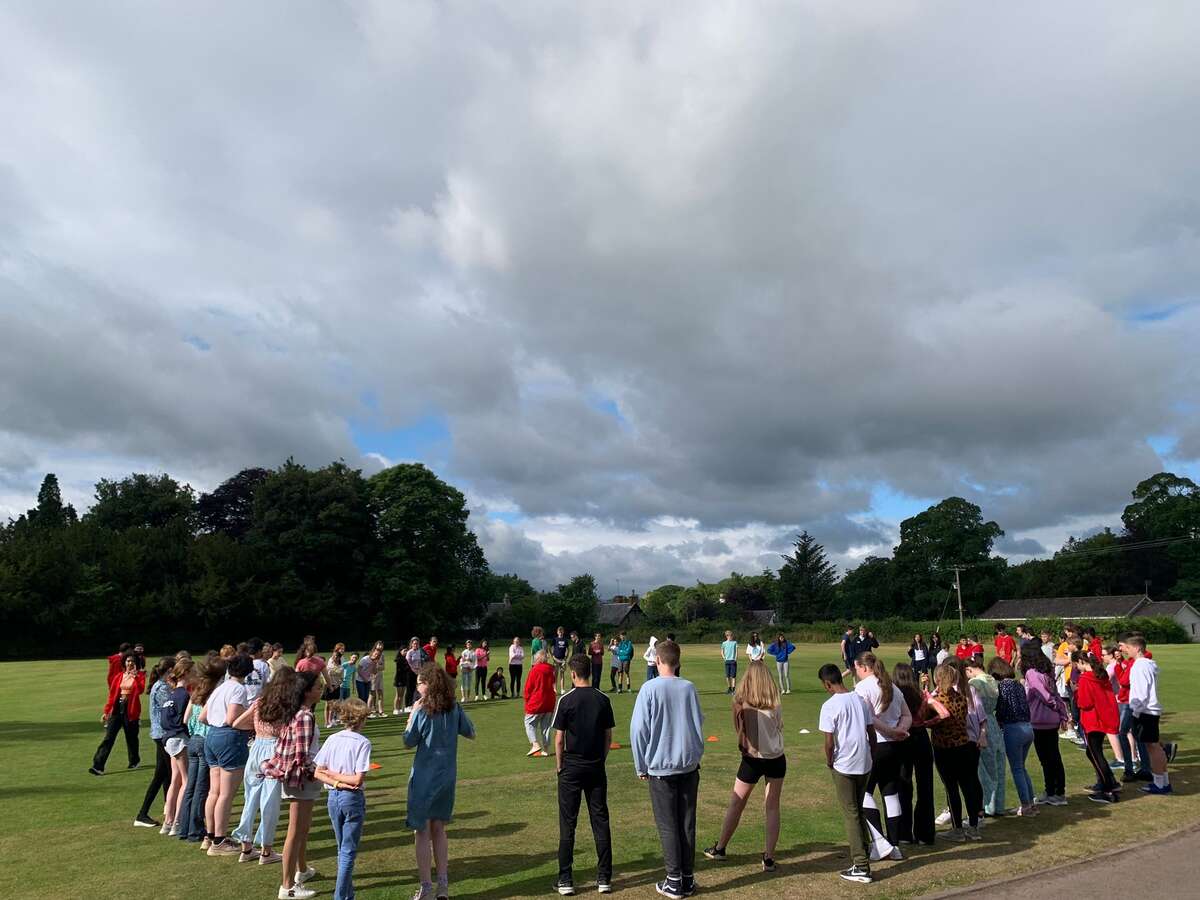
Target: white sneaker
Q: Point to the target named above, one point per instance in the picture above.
(307, 875)
(896, 854)
(299, 892)
(943, 818)
(166, 828)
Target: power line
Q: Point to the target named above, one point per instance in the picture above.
(1123, 548)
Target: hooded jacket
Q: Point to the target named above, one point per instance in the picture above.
(1097, 704)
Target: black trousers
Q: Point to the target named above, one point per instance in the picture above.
(161, 779)
(916, 770)
(597, 671)
(481, 681)
(886, 760)
(117, 721)
(673, 800)
(590, 782)
(1045, 744)
(612, 676)
(1095, 753)
(959, 769)
(410, 688)
(514, 679)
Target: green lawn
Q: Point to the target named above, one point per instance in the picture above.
(69, 834)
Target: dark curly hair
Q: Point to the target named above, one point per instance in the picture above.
(280, 698)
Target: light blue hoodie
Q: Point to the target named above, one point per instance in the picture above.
(665, 732)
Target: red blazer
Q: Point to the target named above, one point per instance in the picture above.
(539, 690)
(133, 706)
(1097, 704)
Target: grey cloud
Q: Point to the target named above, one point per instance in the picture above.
(1019, 546)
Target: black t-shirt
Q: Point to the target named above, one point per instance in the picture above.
(584, 715)
(558, 647)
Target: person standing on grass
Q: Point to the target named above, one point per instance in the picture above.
(537, 640)
(364, 677)
(1012, 717)
(414, 658)
(758, 722)
(991, 748)
(342, 765)
(174, 731)
(847, 650)
(953, 753)
(160, 688)
(483, 662)
(434, 727)
(614, 665)
(584, 725)
(1146, 710)
(1099, 717)
(916, 762)
(275, 661)
(729, 649)
(122, 712)
(263, 795)
(667, 743)
(625, 655)
(539, 704)
(560, 649)
(596, 652)
(466, 666)
(919, 657)
(755, 648)
(292, 763)
(451, 664)
(1137, 761)
(650, 657)
(260, 674)
(204, 680)
(333, 682)
(1048, 715)
(226, 751)
(377, 680)
(782, 649)
(1006, 647)
(847, 722)
(891, 721)
(516, 666)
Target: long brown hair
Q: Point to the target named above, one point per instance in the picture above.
(1084, 658)
(439, 689)
(905, 681)
(280, 699)
(879, 670)
(207, 676)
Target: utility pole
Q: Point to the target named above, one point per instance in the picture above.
(958, 590)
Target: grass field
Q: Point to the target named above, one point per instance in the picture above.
(68, 834)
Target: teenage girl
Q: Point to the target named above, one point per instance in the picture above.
(483, 659)
(175, 740)
(434, 728)
(991, 757)
(122, 711)
(755, 648)
(1048, 715)
(758, 721)
(263, 794)
(342, 765)
(451, 663)
(516, 667)
(1099, 717)
(957, 766)
(916, 762)
(205, 678)
(333, 681)
(414, 658)
(377, 680)
(226, 751)
(400, 678)
(1012, 715)
(466, 664)
(920, 655)
(160, 688)
(892, 721)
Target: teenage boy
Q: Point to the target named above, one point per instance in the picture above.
(848, 649)
(729, 649)
(1146, 710)
(848, 725)
(667, 743)
(1006, 647)
(559, 649)
(625, 657)
(584, 727)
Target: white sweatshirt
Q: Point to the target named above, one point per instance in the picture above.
(1143, 688)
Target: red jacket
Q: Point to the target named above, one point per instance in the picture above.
(115, 664)
(1005, 647)
(1096, 648)
(451, 665)
(963, 652)
(1122, 673)
(539, 690)
(133, 706)
(1097, 705)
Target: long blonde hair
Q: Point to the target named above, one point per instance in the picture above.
(879, 670)
(757, 688)
(946, 677)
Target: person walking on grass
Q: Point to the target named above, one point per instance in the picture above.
(847, 722)
(539, 704)
(583, 725)
(436, 724)
(226, 751)
(729, 650)
(667, 743)
(1048, 715)
(263, 796)
(1099, 717)
(1146, 711)
(782, 649)
(516, 666)
(122, 712)
(758, 722)
(342, 764)
(293, 765)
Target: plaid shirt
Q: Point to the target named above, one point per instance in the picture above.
(292, 763)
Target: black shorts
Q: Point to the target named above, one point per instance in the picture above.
(1145, 728)
(753, 768)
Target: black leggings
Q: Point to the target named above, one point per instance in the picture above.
(514, 679)
(959, 768)
(410, 689)
(886, 758)
(481, 681)
(612, 676)
(162, 776)
(1045, 744)
(916, 768)
(1095, 753)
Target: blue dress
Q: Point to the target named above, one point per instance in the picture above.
(435, 767)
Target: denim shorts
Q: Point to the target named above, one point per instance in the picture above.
(226, 748)
(731, 668)
(308, 790)
(175, 745)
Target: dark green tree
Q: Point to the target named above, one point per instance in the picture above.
(50, 511)
(141, 501)
(229, 508)
(806, 581)
(1166, 507)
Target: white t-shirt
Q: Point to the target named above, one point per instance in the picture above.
(259, 675)
(943, 655)
(846, 717)
(227, 694)
(755, 651)
(516, 654)
(347, 751)
(870, 691)
(919, 654)
(467, 660)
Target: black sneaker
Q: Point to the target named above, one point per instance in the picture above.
(669, 890)
(134, 765)
(768, 864)
(1171, 749)
(861, 874)
(715, 852)
(565, 887)
(94, 771)
(146, 822)
(689, 885)
(1101, 797)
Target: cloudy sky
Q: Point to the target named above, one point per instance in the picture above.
(656, 284)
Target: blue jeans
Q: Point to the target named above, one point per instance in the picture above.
(1127, 741)
(347, 810)
(263, 796)
(191, 807)
(1018, 738)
